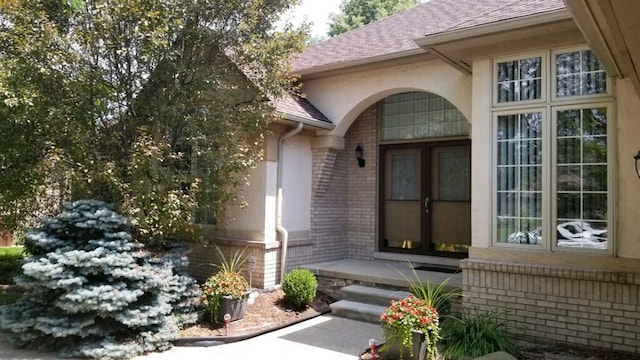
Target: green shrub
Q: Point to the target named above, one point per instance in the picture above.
(10, 263)
(475, 335)
(9, 298)
(299, 287)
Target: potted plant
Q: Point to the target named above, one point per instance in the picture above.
(226, 291)
(410, 325)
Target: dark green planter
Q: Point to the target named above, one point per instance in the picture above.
(231, 306)
(392, 350)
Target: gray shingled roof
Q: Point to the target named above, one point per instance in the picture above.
(300, 107)
(396, 34)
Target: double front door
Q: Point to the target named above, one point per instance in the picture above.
(425, 204)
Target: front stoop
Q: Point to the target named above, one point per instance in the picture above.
(365, 303)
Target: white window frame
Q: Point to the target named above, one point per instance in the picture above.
(544, 60)
(549, 105)
(545, 177)
(609, 105)
(575, 98)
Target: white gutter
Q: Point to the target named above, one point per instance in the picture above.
(279, 228)
(306, 121)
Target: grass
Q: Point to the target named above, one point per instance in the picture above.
(11, 250)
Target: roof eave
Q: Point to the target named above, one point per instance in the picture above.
(332, 68)
(492, 28)
(321, 125)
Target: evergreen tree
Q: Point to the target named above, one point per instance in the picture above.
(91, 291)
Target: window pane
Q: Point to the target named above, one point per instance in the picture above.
(420, 115)
(595, 150)
(454, 176)
(582, 186)
(519, 80)
(569, 178)
(568, 150)
(579, 73)
(404, 185)
(519, 178)
(595, 178)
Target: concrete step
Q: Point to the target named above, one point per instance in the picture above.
(368, 295)
(357, 311)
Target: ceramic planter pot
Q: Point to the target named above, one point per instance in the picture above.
(231, 306)
(392, 350)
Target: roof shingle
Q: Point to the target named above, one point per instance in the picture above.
(396, 33)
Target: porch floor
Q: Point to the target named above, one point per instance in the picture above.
(382, 272)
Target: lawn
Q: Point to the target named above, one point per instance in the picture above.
(11, 250)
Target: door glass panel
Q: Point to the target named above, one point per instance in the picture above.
(405, 185)
(450, 208)
(402, 199)
(454, 175)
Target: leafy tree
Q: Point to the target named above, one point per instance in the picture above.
(91, 291)
(355, 13)
(155, 106)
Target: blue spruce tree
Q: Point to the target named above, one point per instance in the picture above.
(91, 291)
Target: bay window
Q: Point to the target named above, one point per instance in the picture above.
(551, 154)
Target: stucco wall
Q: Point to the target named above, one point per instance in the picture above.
(296, 183)
(626, 189)
(343, 98)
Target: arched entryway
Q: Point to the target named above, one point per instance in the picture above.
(424, 176)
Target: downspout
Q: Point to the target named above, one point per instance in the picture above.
(279, 228)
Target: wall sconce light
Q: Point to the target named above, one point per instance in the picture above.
(637, 159)
(360, 156)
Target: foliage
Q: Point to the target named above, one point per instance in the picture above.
(155, 106)
(9, 298)
(10, 263)
(228, 281)
(92, 292)
(233, 265)
(12, 250)
(299, 287)
(404, 316)
(436, 296)
(355, 13)
(475, 335)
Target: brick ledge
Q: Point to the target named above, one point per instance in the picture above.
(564, 272)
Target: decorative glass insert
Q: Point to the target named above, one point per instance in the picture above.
(519, 178)
(405, 177)
(519, 80)
(582, 178)
(579, 73)
(421, 115)
(454, 175)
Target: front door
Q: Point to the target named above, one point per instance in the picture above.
(426, 198)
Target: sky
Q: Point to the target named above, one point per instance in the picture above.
(316, 12)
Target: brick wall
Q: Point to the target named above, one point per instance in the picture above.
(328, 206)
(203, 260)
(362, 201)
(553, 303)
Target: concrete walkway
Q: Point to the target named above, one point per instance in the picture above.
(321, 338)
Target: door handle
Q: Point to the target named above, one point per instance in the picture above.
(426, 204)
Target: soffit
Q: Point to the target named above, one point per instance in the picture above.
(460, 48)
(611, 29)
